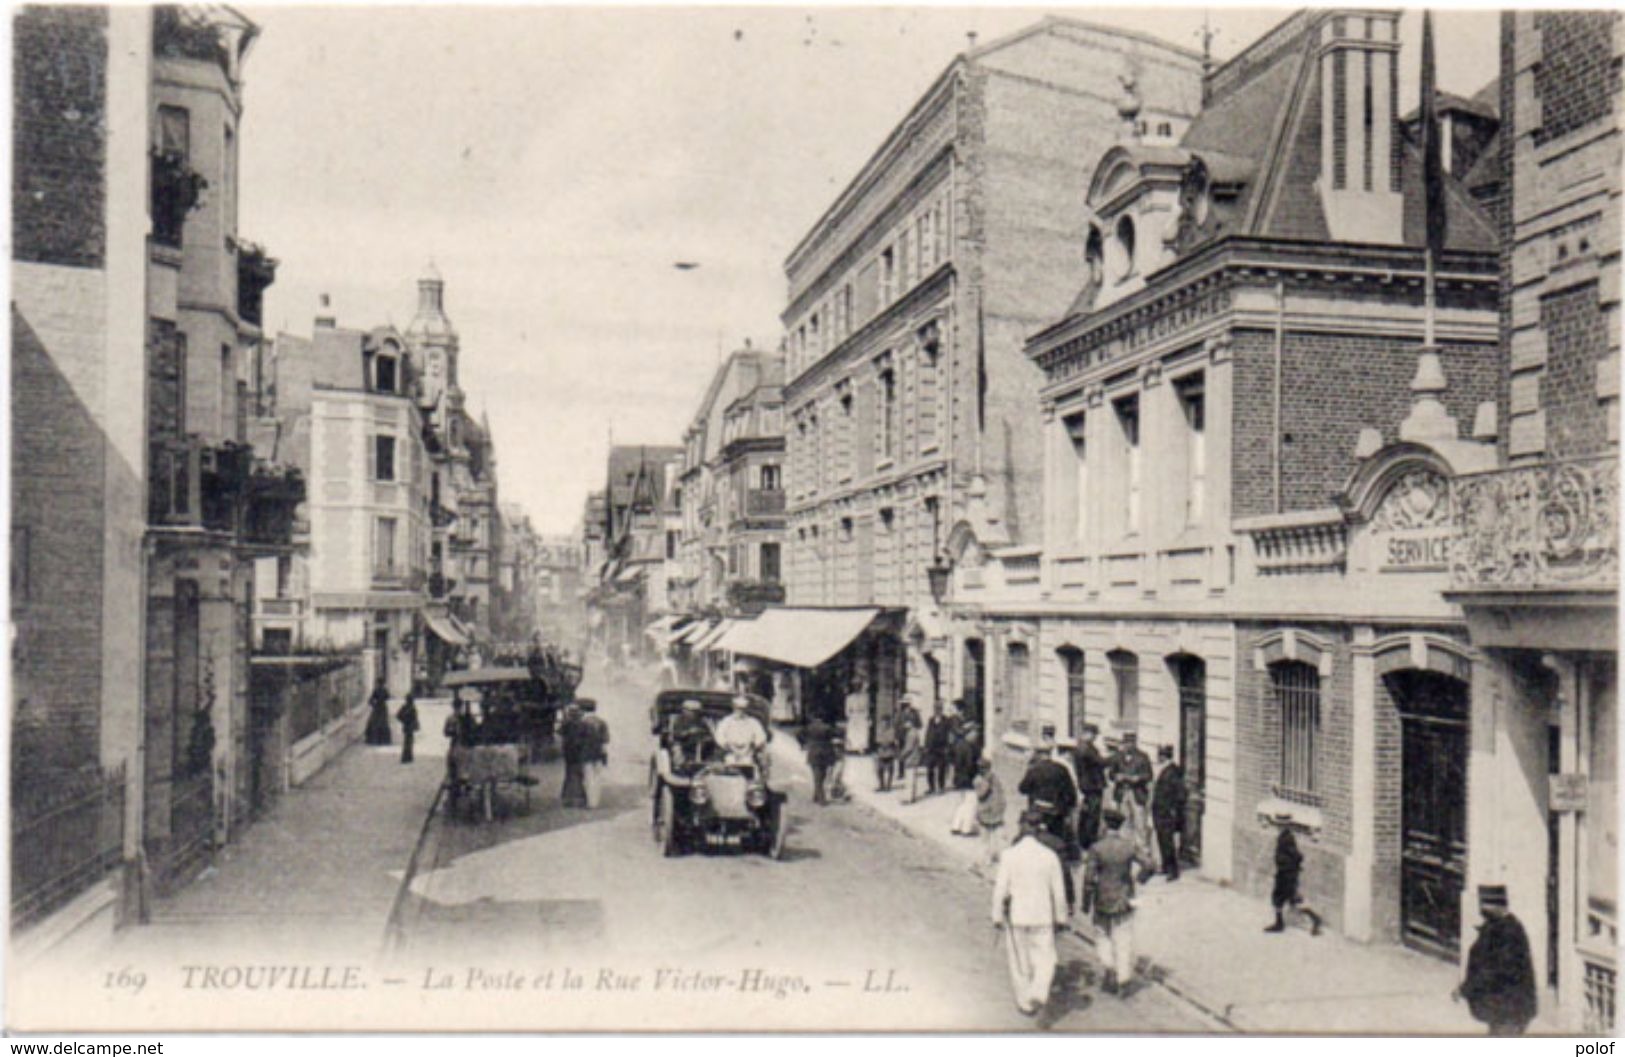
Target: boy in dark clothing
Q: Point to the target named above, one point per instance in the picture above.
(1288, 871)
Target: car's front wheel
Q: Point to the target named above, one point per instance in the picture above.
(666, 823)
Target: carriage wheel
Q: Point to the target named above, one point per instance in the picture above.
(666, 822)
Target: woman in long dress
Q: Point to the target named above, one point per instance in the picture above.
(377, 732)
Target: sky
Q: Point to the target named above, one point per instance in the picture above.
(556, 162)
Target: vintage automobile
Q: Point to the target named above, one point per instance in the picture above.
(698, 798)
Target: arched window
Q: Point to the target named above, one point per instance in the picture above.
(1072, 666)
(1124, 240)
(1126, 687)
(1295, 689)
(1094, 256)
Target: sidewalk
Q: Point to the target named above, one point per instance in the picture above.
(1205, 943)
(319, 870)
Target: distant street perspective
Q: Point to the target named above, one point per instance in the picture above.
(830, 520)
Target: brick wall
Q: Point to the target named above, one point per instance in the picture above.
(58, 454)
(58, 139)
(1577, 76)
(1576, 339)
(1258, 768)
(1333, 386)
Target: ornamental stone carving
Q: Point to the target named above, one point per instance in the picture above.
(1549, 525)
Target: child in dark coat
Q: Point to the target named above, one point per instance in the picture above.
(1288, 872)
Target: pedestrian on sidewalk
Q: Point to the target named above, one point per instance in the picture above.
(1108, 893)
(818, 742)
(837, 769)
(573, 739)
(966, 755)
(1029, 903)
(885, 753)
(408, 716)
(1049, 790)
(1090, 767)
(990, 811)
(938, 733)
(1130, 772)
(908, 756)
(378, 718)
(1500, 983)
(1288, 876)
(1168, 799)
(595, 751)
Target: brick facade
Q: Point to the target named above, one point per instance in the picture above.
(1332, 386)
(59, 136)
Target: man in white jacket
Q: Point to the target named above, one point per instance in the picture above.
(1029, 902)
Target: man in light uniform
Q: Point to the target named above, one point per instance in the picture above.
(1029, 900)
(741, 736)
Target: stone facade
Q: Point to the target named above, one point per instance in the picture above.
(907, 397)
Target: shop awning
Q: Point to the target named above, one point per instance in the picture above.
(802, 638)
(692, 632)
(709, 640)
(445, 629)
(668, 629)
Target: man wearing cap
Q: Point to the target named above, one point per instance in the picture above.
(691, 732)
(1090, 767)
(1108, 891)
(740, 735)
(1168, 800)
(1129, 769)
(1048, 787)
(1029, 902)
(1500, 983)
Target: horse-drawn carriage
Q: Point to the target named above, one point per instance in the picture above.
(504, 729)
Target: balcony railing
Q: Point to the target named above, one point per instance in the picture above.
(1543, 526)
(256, 270)
(764, 502)
(222, 488)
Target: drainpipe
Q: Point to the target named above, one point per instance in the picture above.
(1280, 337)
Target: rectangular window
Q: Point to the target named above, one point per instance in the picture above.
(888, 414)
(1128, 421)
(770, 563)
(671, 544)
(1072, 663)
(1192, 403)
(385, 371)
(1296, 689)
(770, 478)
(812, 337)
(888, 276)
(906, 261)
(922, 239)
(383, 457)
(1076, 432)
(1018, 685)
(284, 576)
(175, 131)
(383, 547)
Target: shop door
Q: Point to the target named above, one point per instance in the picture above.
(1433, 828)
(1190, 673)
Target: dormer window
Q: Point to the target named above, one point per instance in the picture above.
(1122, 249)
(1094, 256)
(385, 370)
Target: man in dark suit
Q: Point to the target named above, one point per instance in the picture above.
(938, 732)
(1500, 983)
(1050, 791)
(1168, 797)
(818, 741)
(1091, 770)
